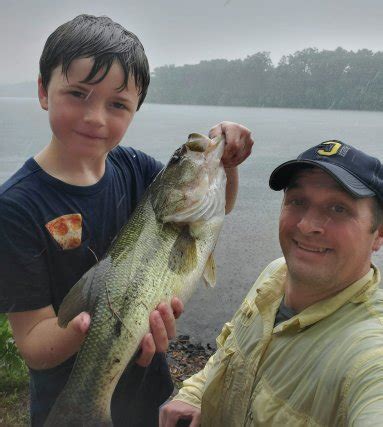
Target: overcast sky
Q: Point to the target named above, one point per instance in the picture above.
(187, 31)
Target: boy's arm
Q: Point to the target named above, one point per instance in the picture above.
(232, 180)
(43, 344)
(238, 147)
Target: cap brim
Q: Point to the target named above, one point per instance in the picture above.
(280, 177)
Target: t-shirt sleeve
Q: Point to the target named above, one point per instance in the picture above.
(150, 166)
(144, 167)
(24, 283)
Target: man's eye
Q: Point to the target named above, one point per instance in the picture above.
(296, 202)
(338, 208)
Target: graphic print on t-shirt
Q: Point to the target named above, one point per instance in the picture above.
(66, 230)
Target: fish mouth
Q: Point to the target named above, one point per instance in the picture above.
(201, 194)
(202, 144)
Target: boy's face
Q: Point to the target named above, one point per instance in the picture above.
(88, 120)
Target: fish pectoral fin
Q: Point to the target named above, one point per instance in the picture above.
(83, 294)
(183, 255)
(209, 274)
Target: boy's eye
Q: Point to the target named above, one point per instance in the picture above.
(119, 106)
(77, 94)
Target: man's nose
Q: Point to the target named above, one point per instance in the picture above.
(312, 221)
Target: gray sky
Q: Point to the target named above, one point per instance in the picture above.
(185, 32)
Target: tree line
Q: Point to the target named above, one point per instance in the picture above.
(309, 78)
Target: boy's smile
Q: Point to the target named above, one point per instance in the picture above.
(88, 120)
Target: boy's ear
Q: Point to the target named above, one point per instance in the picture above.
(43, 94)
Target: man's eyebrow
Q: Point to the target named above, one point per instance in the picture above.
(295, 184)
(292, 184)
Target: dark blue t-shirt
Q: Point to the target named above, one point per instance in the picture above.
(51, 233)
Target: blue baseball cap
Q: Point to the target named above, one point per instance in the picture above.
(360, 174)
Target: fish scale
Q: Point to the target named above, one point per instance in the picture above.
(151, 261)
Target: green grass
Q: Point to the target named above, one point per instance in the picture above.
(14, 398)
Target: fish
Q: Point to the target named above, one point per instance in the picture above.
(162, 251)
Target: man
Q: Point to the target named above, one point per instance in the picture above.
(306, 345)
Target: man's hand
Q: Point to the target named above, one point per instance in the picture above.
(238, 142)
(162, 329)
(176, 410)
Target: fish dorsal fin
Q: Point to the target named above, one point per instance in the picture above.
(83, 295)
(183, 255)
(209, 274)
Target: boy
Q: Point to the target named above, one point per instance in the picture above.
(61, 210)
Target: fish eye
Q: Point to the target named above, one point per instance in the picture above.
(174, 159)
(177, 156)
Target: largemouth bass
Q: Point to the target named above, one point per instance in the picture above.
(161, 252)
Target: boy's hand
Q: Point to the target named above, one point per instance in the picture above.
(238, 142)
(162, 329)
(81, 323)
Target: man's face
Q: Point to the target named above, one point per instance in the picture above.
(88, 120)
(325, 234)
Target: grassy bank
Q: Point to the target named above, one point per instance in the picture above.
(14, 399)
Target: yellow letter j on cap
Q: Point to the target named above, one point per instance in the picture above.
(329, 148)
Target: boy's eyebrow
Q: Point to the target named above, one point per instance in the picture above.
(122, 98)
(79, 85)
(83, 86)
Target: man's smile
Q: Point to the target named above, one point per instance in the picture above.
(311, 248)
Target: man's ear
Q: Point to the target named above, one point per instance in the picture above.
(378, 240)
(43, 94)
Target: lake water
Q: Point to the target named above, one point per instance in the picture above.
(249, 240)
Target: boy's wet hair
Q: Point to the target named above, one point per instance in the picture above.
(102, 39)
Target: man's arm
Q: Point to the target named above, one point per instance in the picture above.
(187, 403)
(43, 344)
(238, 147)
(363, 390)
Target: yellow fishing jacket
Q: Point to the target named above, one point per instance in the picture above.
(322, 367)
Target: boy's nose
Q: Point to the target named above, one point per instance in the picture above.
(94, 115)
